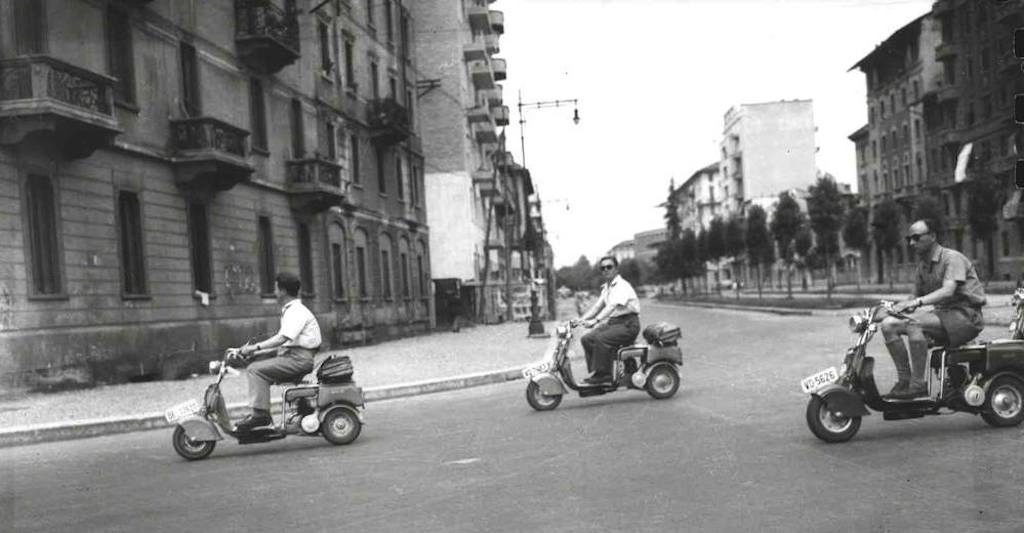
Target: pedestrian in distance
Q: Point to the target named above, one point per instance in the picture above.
(618, 311)
(295, 343)
(946, 279)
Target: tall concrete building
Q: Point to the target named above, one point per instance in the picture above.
(766, 148)
(469, 183)
(940, 97)
(161, 161)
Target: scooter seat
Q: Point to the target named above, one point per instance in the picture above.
(958, 355)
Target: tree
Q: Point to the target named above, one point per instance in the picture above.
(927, 207)
(688, 256)
(885, 230)
(735, 245)
(983, 207)
(629, 269)
(802, 244)
(855, 233)
(786, 223)
(672, 223)
(716, 247)
(825, 209)
(758, 241)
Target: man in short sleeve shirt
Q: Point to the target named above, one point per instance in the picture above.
(947, 280)
(620, 307)
(296, 343)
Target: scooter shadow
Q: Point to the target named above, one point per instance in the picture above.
(614, 398)
(229, 450)
(905, 432)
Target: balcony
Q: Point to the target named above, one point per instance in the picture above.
(501, 116)
(492, 44)
(314, 185)
(946, 51)
(497, 22)
(266, 37)
(476, 51)
(479, 114)
(479, 18)
(72, 106)
(388, 121)
(485, 180)
(209, 154)
(942, 6)
(490, 97)
(483, 77)
(484, 132)
(502, 206)
(498, 67)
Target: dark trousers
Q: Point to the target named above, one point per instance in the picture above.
(602, 344)
(291, 363)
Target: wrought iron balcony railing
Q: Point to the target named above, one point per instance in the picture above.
(315, 184)
(388, 121)
(210, 154)
(267, 36)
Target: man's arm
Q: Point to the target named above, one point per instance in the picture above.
(594, 309)
(272, 342)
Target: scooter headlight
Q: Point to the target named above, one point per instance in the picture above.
(858, 323)
(561, 331)
(215, 366)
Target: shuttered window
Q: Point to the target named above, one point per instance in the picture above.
(133, 263)
(43, 248)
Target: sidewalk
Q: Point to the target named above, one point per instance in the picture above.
(415, 365)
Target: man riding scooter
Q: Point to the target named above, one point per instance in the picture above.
(947, 280)
(618, 304)
(296, 343)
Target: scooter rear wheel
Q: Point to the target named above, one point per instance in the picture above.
(827, 426)
(1004, 406)
(341, 426)
(663, 382)
(189, 448)
(540, 401)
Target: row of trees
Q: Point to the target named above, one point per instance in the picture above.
(813, 239)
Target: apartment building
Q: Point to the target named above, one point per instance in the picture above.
(161, 161)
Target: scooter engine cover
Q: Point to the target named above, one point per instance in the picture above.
(549, 385)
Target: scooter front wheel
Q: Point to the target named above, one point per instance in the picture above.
(191, 449)
(663, 382)
(826, 425)
(540, 401)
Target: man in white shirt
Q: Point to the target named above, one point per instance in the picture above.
(296, 344)
(619, 310)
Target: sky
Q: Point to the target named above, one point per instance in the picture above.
(654, 79)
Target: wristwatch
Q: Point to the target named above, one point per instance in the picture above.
(919, 302)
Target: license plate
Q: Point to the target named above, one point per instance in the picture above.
(819, 380)
(539, 368)
(183, 410)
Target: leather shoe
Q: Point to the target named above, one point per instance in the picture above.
(598, 378)
(899, 388)
(255, 420)
(912, 392)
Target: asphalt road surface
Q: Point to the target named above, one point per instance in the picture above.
(730, 452)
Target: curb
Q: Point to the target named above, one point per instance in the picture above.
(785, 311)
(59, 431)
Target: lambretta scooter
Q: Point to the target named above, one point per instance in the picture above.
(653, 367)
(330, 405)
(986, 379)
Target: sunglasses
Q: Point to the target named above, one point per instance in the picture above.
(607, 267)
(914, 237)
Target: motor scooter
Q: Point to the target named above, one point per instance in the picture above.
(985, 379)
(652, 367)
(328, 404)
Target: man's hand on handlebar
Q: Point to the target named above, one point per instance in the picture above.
(906, 307)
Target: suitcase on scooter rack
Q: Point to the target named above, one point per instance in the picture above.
(662, 334)
(335, 369)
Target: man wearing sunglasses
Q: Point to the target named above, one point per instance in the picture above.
(619, 310)
(948, 281)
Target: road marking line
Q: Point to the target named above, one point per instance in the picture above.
(463, 461)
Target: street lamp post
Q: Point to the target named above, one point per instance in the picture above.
(536, 328)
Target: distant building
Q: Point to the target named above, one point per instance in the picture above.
(645, 244)
(622, 251)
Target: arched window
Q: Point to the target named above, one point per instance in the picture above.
(386, 263)
(403, 266)
(359, 241)
(422, 269)
(336, 234)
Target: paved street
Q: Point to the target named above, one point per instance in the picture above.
(731, 452)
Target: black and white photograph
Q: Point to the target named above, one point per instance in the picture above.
(616, 265)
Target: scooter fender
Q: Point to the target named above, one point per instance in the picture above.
(199, 428)
(843, 400)
(549, 384)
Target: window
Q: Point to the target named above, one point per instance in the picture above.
(917, 129)
(369, 12)
(360, 241)
(119, 55)
(44, 259)
(257, 111)
(920, 168)
(381, 176)
(266, 256)
(903, 96)
(332, 147)
(350, 73)
(400, 188)
(354, 155)
(421, 275)
(881, 105)
(409, 105)
(199, 238)
(133, 263)
(388, 21)
(338, 271)
(189, 80)
(405, 34)
(392, 87)
(28, 27)
(906, 135)
(414, 192)
(1006, 243)
(906, 174)
(385, 267)
(917, 90)
(375, 80)
(874, 150)
(298, 142)
(306, 261)
(405, 275)
(949, 71)
(871, 116)
(326, 65)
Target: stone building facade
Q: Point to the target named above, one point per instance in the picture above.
(161, 160)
